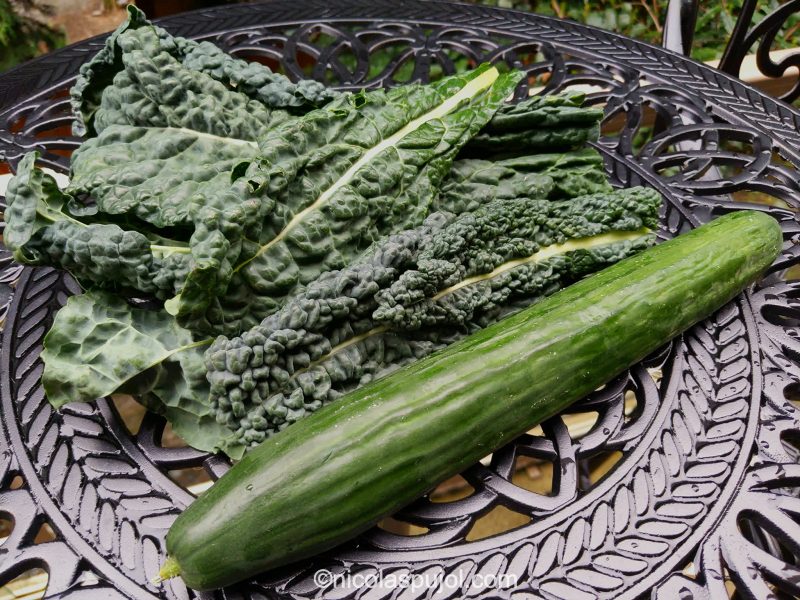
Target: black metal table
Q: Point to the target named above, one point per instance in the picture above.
(704, 492)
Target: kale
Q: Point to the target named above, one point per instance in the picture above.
(408, 295)
(341, 178)
(537, 124)
(43, 229)
(413, 293)
(252, 218)
(46, 226)
(473, 182)
(115, 86)
(302, 241)
(254, 79)
(255, 202)
(158, 175)
(100, 345)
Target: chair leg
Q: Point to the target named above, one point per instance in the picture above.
(679, 26)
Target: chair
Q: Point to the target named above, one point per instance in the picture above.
(679, 33)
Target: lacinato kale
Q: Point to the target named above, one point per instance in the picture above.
(414, 293)
(138, 60)
(537, 124)
(46, 226)
(254, 202)
(407, 296)
(303, 241)
(340, 178)
(42, 229)
(473, 181)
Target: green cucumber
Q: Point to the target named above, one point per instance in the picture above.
(335, 474)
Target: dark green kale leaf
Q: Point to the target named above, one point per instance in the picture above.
(537, 124)
(407, 296)
(254, 208)
(47, 226)
(154, 89)
(163, 176)
(254, 79)
(413, 293)
(141, 66)
(100, 345)
(42, 230)
(473, 182)
(342, 177)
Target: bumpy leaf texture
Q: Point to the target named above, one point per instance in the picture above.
(341, 178)
(110, 90)
(99, 345)
(473, 182)
(537, 124)
(45, 226)
(235, 204)
(409, 295)
(413, 293)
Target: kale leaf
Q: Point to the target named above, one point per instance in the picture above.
(413, 293)
(407, 296)
(342, 177)
(473, 181)
(537, 124)
(253, 202)
(45, 226)
(141, 66)
(100, 345)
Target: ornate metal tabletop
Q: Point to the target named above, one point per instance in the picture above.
(703, 496)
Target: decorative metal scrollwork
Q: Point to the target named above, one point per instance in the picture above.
(702, 431)
(763, 33)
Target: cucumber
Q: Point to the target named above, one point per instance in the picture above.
(335, 474)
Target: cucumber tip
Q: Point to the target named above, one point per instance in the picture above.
(168, 570)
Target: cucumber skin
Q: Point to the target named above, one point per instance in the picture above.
(336, 473)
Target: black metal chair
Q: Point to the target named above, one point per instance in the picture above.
(679, 33)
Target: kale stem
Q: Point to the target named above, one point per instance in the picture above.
(167, 250)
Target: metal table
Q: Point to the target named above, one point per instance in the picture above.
(704, 491)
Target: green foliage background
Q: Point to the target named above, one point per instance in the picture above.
(644, 19)
(23, 37)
